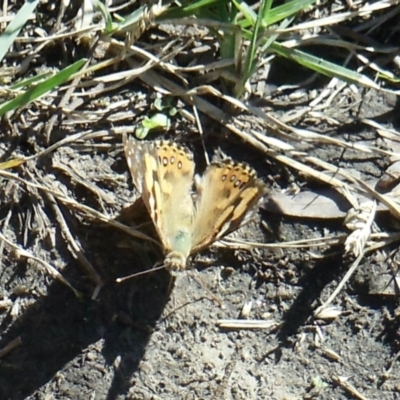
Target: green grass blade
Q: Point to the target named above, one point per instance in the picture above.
(274, 15)
(30, 81)
(14, 27)
(324, 67)
(286, 10)
(106, 15)
(41, 88)
(200, 4)
(251, 56)
(248, 13)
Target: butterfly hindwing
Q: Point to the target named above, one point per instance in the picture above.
(226, 194)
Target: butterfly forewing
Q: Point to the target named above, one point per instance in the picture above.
(163, 173)
(226, 194)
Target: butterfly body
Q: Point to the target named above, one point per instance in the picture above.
(190, 212)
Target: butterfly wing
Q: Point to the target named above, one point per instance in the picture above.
(163, 172)
(227, 193)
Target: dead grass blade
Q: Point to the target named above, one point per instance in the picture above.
(246, 324)
(85, 210)
(10, 346)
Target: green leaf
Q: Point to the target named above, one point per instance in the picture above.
(156, 121)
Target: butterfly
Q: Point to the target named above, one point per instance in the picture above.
(190, 212)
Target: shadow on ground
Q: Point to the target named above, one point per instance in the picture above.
(60, 326)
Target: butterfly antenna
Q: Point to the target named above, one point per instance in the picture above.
(148, 271)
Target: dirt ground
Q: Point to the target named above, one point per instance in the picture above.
(157, 337)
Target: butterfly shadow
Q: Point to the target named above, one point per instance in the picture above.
(62, 327)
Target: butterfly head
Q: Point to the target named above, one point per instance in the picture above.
(175, 261)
